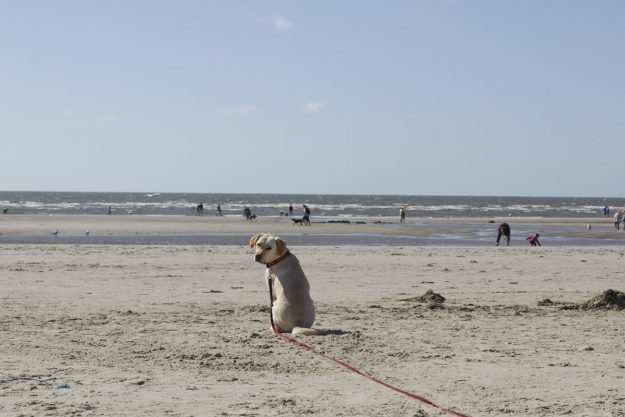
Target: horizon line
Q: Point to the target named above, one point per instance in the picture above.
(328, 194)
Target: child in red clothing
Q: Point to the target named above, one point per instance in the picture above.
(533, 239)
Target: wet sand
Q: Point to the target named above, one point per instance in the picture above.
(129, 229)
(184, 330)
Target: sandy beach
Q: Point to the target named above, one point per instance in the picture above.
(184, 330)
(449, 175)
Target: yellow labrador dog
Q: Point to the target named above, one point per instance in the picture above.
(293, 309)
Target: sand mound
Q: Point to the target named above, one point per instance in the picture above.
(606, 300)
(432, 299)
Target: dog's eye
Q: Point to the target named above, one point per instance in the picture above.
(259, 245)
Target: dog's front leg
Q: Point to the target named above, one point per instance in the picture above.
(269, 276)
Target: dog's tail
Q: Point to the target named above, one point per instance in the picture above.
(307, 331)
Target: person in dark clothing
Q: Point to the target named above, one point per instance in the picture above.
(503, 230)
(306, 217)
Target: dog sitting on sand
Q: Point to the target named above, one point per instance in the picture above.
(293, 310)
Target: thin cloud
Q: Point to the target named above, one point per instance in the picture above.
(282, 24)
(241, 110)
(276, 22)
(312, 106)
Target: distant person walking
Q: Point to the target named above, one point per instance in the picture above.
(110, 211)
(606, 210)
(306, 217)
(247, 212)
(290, 210)
(618, 218)
(533, 239)
(503, 230)
(402, 215)
(219, 209)
(200, 209)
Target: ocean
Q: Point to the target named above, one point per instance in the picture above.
(322, 205)
(324, 208)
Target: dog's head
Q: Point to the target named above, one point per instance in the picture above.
(267, 247)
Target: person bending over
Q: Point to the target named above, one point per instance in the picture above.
(533, 239)
(503, 230)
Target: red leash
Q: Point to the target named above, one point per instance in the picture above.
(348, 366)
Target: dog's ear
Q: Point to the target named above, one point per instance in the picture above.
(280, 245)
(254, 239)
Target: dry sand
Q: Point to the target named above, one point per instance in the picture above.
(184, 331)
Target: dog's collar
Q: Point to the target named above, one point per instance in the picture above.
(278, 260)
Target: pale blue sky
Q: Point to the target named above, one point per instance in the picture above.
(349, 97)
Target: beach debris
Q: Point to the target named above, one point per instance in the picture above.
(609, 299)
(420, 413)
(430, 298)
(560, 305)
(128, 313)
(136, 381)
(562, 364)
(287, 402)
